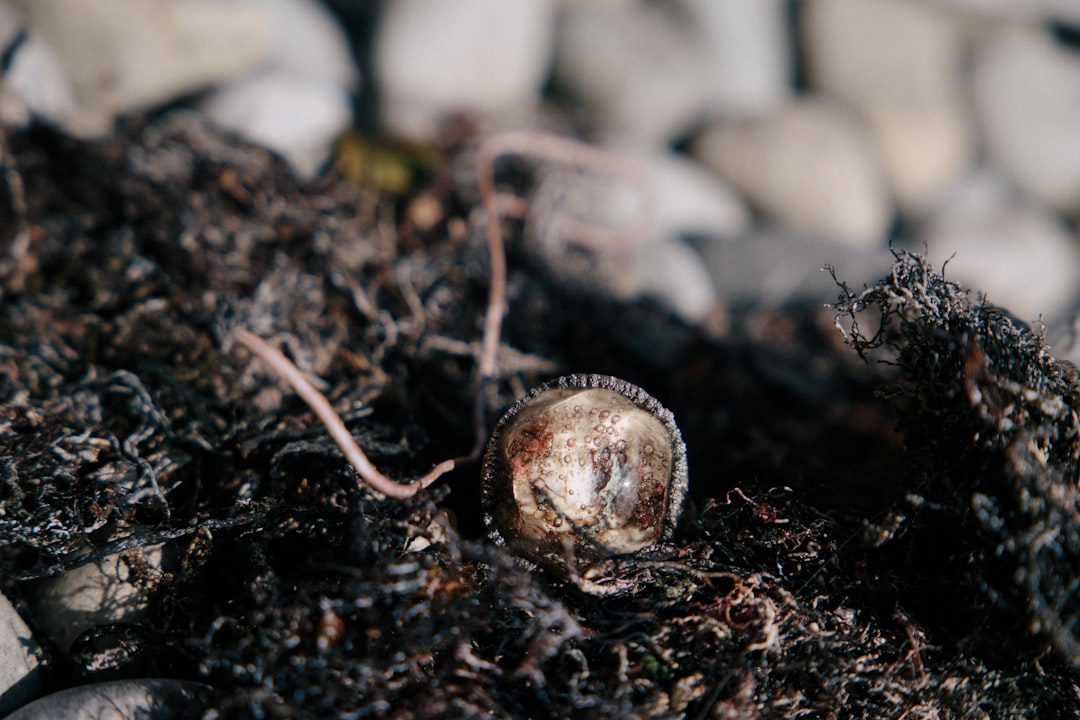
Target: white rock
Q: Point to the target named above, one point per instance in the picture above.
(141, 699)
(772, 265)
(296, 117)
(1020, 255)
(900, 64)
(123, 55)
(690, 200)
(674, 273)
(435, 58)
(34, 83)
(679, 199)
(20, 660)
(299, 100)
(307, 42)
(100, 592)
(813, 166)
(1028, 95)
(641, 69)
(749, 54)
(11, 25)
(1037, 10)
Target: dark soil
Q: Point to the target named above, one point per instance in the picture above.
(866, 539)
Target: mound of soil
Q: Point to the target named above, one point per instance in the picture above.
(883, 527)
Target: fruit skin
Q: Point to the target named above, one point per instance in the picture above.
(583, 468)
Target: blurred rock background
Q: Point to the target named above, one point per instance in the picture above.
(782, 135)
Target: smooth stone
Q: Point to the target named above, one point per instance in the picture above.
(1027, 91)
(640, 69)
(1016, 252)
(901, 65)
(11, 25)
(307, 41)
(300, 98)
(100, 592)
(20, 660)
(674, 273)
(665, 268)
(149, 699)
(34, 83)
(125, 55)
(1027, 10)
(646, 255)
(295, 117)
(772, 265)
(749, 54)
(434, 59)
(690, 200)
(812, 166)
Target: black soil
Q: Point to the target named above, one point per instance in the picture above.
(883, 527)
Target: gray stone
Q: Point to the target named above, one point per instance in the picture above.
(640, 69)
(299, 100)
(150, 699)
(296, 117)
(643, 252)
(813, 167)
(480, 57)
(772, 265)
(1027, 90)
(1027, 10)
(690, 200)
(115, 588)
(673, 272)
(34, 83)
(748, 54)
(125, 55)
(1019, 254)
(20, 660)
(900, 64)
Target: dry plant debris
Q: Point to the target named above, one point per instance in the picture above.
(990, 419)
(825, 570)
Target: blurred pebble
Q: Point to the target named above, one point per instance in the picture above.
(774, 265)
(671, 271)
(20, 660)
(1027, 10)
(299, 100)
(34, 83)
(900, 64)
(749, 64)
(640, 69)
(1027, 91)
(435, 58)
(690, 200)
(1021, 255)
(812, 166)
(150, 699)
(113, 589)
(308, 42)
(295, 117)
(685, 201)
(126, 55)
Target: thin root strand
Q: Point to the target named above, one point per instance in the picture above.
(318, 403)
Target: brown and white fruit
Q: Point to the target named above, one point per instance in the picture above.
(584, 468)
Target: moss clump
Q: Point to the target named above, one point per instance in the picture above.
(991, 533)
